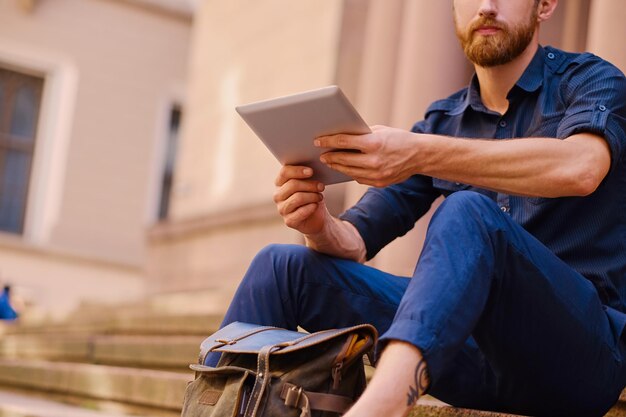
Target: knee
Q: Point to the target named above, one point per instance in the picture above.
(469, 202)
(277, 254)
(280, 260)
(276, 265)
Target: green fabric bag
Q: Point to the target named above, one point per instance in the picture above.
(271, 372)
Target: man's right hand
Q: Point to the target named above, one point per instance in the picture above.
(300, 200)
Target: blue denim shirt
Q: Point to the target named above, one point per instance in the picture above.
(558, 95)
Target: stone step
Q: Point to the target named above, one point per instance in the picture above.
(19, 405)
(159, 389)
(111, 324)
(157, 352)
(422, 410)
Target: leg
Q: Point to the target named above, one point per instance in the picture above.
(289, 286)
(540, 324)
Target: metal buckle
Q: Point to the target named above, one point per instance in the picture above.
(292, 399)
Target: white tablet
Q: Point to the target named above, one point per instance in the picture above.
(289, 125)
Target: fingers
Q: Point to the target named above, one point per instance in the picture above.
(295, 218)
(341, 141)
(375, 178)
(288, 172)
(297, 197)
(298, 200)
(351, 159)
(293, 186)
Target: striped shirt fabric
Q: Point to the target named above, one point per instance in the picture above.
(559, 94)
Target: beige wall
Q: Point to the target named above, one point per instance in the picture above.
(607, 31)
(222, 207)
(128, 64)
(53, 284)
(112, 69)
(245, 51)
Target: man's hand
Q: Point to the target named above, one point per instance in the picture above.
(386, 156)
(301, 203)
(300, 200)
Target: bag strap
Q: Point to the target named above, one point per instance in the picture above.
(295, 396)
(261, 381)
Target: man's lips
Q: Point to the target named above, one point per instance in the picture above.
(488, 30)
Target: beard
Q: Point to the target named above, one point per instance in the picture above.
(500, 48)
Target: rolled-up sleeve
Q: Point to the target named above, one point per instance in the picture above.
(383, 214)
(595, 99)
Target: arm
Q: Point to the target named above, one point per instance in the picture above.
(300, 202)
(338, 238)
(530, 166)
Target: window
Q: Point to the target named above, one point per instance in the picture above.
(20, 100)
(167, 179)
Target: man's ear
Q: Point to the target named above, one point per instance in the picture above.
(545, 9)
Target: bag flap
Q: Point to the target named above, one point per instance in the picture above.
(250, 338)
(246, 337)
(223, 370)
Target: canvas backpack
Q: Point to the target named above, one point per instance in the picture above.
(270, 372)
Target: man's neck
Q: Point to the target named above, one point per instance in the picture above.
(496, 82)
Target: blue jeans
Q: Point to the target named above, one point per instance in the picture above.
(503, 323)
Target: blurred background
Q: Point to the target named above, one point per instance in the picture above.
(129, 187)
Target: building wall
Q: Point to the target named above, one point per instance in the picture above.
(245, 51)
(222, 209)
(111, 70)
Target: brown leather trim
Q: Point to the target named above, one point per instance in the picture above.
(318, 400)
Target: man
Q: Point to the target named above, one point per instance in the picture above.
(517, 300)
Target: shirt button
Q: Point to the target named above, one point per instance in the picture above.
(505, 209)
(502, 123)
(551, 55)
(602, 107)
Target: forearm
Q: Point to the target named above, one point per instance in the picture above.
(541, 167)
(338, 238)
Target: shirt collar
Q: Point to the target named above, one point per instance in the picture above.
(532, 78)
(530, 81)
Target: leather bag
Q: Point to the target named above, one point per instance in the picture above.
(270, 372)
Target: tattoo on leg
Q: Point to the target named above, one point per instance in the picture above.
(422, 380)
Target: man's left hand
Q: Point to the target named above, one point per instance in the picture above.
(384, 157)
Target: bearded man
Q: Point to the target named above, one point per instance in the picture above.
(517, 301)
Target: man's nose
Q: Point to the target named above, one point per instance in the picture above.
(488, 8)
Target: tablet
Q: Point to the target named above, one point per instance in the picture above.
(289, 125)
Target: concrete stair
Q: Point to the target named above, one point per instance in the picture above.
(157, 351)
(133, 365)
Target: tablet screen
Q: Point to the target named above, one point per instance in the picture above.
(289, 125)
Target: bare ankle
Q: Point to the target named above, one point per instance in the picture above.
(400, 379)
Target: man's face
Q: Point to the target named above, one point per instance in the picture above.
(494, 32)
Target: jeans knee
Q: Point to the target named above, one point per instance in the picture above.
(276, 253)
(468, 200)
(465, 208)
(470, 205)
(278, 261)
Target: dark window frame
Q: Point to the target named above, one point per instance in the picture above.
(166, 182)
(12, 81)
